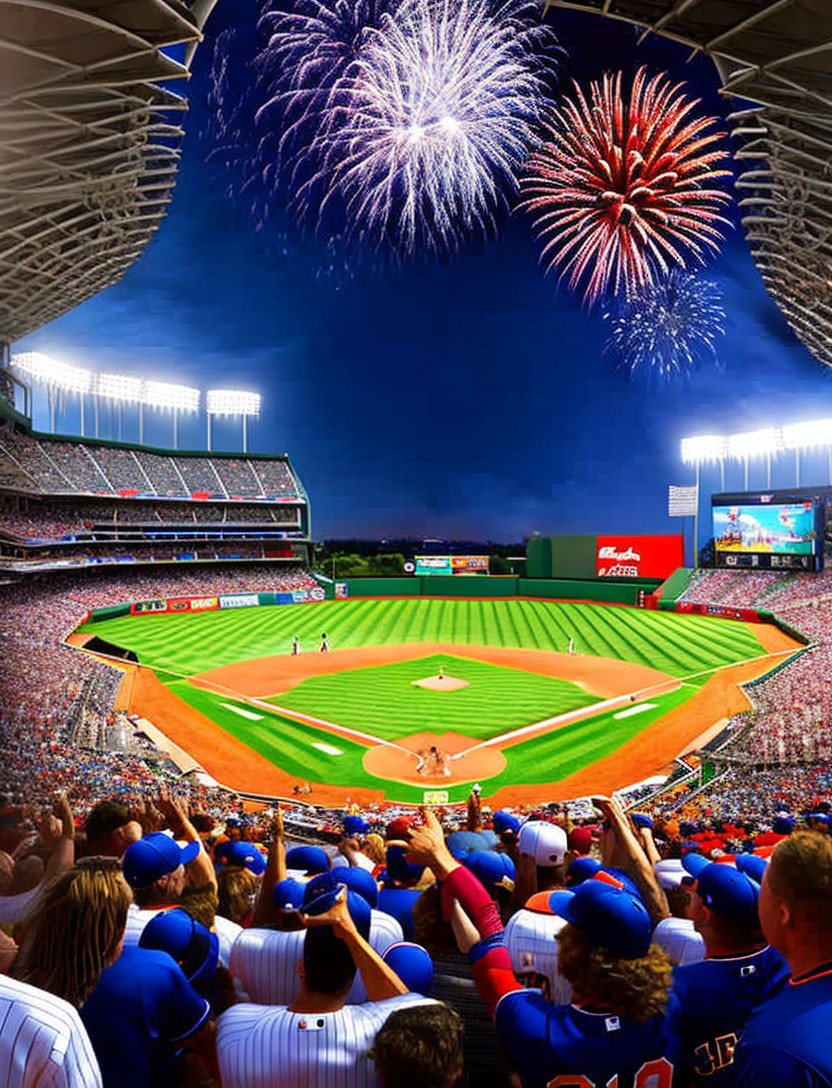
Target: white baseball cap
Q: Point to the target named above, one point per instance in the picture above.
(545, 842)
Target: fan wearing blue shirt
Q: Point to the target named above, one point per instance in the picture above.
(788, 1041)
(738, 974)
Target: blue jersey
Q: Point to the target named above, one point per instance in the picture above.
(717, 996)
(563, 1046)
(141, 1008)
(788, 1042)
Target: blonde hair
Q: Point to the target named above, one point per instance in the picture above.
(374, 848)
(76, 931)
(635, 989)
(237, 889)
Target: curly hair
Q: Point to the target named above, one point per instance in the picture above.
(634, 989)
(374, 848)
(76, 930)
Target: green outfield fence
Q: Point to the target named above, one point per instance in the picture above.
(604, 591)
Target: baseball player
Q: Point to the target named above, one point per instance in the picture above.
(788, 1041)
(738, 974)
(295, 645)
(42, 1040)
(318, 1039)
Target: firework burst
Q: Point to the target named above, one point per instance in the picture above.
(624, 191)
(668, 328)
(414, 137)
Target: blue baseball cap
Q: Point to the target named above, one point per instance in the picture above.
(355, 825)
(752, 865)
(154, 856)
(194, 947)
(641, 819)
(359, 881)
(413, 965)
(505, 821)
(309, 859)
(610, 917)
(782, 824)
(320, 894)
(729, 894)
(491, 869)
(288, 894)
(399, 868)
(461, 843)
(582, 869)
(693, 864)
(242, 854)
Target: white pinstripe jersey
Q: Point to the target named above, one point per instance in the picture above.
(227, 932)
(137, 919)
(679, 940)
(266, 960)
(42, 1041)
(270, 1047)
(533, 949)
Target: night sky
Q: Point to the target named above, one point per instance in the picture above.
(468, 399)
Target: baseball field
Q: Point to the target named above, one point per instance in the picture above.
(424, 694)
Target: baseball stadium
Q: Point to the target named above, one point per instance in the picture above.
(253, 814)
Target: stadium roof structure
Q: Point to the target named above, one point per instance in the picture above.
(775, 61)
(90, 139)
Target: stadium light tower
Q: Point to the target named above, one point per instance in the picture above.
(704, 448)
(232, 402)
(117, 389)
(59, 378)
(762, 443)
(168, 398)
(806, 436)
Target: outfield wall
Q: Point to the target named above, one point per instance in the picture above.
(604, 591)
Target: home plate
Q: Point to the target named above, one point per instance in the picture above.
(440, 682)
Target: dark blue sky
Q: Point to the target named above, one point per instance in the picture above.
(467, 399)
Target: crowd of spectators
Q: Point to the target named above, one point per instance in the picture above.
(46, 520)
(171, 935)
(72, 467)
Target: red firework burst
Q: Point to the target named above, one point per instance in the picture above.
(622, 192)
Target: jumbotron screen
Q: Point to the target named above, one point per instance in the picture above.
(767, 529)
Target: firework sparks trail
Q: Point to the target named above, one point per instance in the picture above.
(669, 328)
(624, 191)
(415, 132)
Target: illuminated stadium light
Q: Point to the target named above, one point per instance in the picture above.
(51, 372)
(704, 447)
(168, 397)
(232, 402)
(805, 436)
(171, 398)
(58, 377)
(760, 443)
(118, 387)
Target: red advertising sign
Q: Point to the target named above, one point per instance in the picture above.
(638, 556)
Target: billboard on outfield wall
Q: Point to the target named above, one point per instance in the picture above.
(623, 556)
(451, 564)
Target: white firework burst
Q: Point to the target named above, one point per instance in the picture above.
(417, 141)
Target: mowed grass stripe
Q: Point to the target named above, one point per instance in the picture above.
(552, 756)
(190, 643)
(289, 745)
(383, 700)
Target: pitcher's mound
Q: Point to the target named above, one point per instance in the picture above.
(440, 683)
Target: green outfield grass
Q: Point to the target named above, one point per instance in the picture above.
(190, 643)
(383, 701)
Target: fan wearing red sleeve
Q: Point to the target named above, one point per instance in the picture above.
(620, 1030)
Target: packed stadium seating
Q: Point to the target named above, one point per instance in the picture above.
(71, 467)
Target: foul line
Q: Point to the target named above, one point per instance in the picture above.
(587, 712)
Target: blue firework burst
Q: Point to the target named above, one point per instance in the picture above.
(668, 329)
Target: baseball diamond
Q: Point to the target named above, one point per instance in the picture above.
(530, 719)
